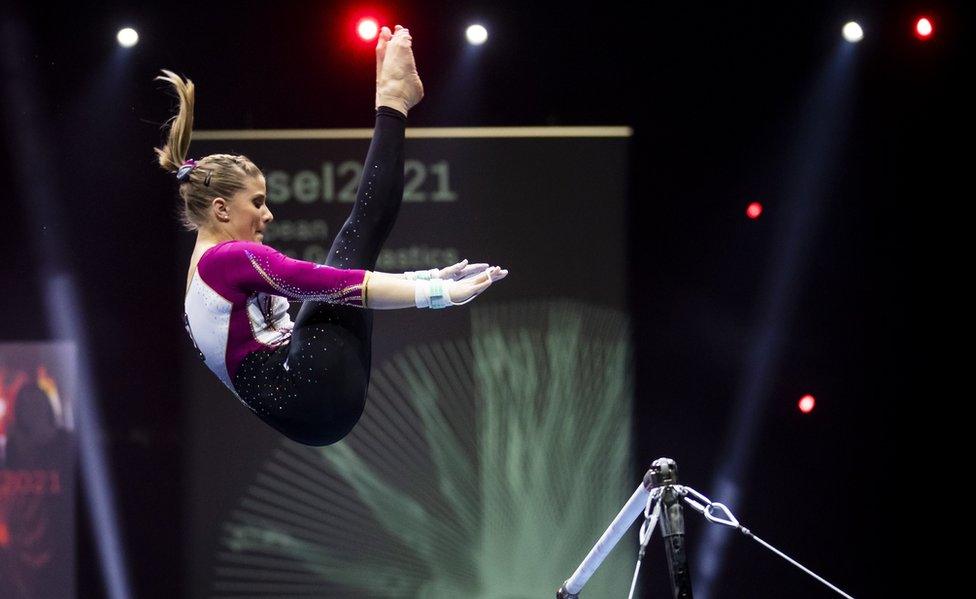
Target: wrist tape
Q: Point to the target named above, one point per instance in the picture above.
(433, 293)
(424, 275)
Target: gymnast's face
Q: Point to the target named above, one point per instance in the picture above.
(248, 212)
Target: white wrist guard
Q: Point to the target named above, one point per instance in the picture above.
(433, 293)
(424, 275)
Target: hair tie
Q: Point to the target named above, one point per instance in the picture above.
(184, 172)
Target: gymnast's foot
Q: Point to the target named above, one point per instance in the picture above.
(398, 85)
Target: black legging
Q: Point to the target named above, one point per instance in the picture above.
(314, 389)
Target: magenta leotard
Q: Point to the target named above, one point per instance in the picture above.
(237, 301)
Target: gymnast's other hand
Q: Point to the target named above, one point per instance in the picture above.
(398, 84)
(472, 286)
(461, 270)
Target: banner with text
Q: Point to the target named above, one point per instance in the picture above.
(495, 444)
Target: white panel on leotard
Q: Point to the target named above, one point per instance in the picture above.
(209, 316)
(269, 319)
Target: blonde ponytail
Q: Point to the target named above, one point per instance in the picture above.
(172, 155)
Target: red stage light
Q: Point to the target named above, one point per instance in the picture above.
(754, 210)
(367, 29)
(806, 403)
(924, 28)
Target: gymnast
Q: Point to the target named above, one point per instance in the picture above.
(307, 378)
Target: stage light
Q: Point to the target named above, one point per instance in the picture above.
(367, 29)
(853, 32)
(127, 37)
(924, 28)
(476, 35)
(754, 210)
(806, 403)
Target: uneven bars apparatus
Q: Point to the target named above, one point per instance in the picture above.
(659, 497)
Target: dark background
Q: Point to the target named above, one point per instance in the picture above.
(715, 94)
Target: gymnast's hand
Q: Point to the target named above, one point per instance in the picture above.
(398, 85)
(468, 288)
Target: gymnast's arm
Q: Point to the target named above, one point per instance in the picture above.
(254, 267)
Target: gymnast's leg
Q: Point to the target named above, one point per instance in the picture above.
(330, 350)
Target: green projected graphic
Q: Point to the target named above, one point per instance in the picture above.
(483, 468)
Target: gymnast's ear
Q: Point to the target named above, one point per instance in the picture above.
(220, 209)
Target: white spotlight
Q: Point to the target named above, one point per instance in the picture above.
(367, 30)
(476, 34)
(853, 32)
(127, 37)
